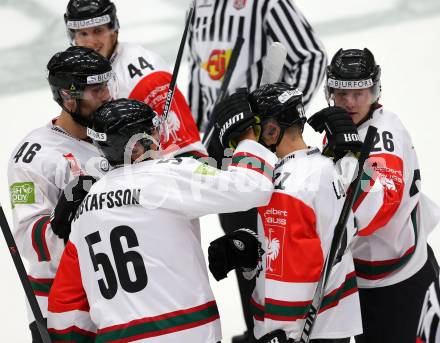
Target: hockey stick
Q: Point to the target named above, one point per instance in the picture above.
(339, 231)
(273, 64)
(173, 82)
(42, 329)
(224, 87)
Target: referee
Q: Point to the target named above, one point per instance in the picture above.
(214, 30)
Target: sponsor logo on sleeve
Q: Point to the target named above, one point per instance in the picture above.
(206, 170)
(22, 193)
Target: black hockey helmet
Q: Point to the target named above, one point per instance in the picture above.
(353, 69)
(82, 14)
(278, 101)
(71, 71)
(117, 125)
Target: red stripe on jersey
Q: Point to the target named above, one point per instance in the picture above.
(294, 251)
(152, 89)
(71, 334)
(164, 331)
(389, 170)
(72, 329)
(159, 317)
(67, 293)
(253, 162)
(41, 287)
(282, 310)
(375, 270)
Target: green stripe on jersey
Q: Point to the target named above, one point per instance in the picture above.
(254, 163)
(71, 336)
(154, 328)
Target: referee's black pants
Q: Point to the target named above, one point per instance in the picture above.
(391, 314)
(231, 222)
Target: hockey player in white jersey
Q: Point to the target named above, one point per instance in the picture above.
(133, 269)
(215, 28)
(48, 158)
(296, 229)
(394, 264)
(141, 74)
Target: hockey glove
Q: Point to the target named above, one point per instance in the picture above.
(278, 336)
(233, 116)
(238, 249)
(68, 202)
(341, 132)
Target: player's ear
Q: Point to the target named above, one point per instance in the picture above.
(271, 132)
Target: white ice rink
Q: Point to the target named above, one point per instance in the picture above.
(404, 35)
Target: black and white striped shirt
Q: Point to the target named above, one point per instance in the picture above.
(429, 329)
(215, 27)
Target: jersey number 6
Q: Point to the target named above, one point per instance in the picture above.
(109, 287)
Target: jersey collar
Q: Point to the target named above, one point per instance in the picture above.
(298, 154)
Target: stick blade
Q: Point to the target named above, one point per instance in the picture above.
(273, 63)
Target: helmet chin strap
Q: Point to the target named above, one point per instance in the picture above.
(76, 116)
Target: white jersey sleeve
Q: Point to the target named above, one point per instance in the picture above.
(135, 245)
(198, 189)
(39, 168)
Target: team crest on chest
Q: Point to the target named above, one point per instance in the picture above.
(239, 4)
(217, 63)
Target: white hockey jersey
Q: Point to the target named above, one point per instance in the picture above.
(144, 76)
(134, 269)
(393, 217)
(296, 230)
(42, 164)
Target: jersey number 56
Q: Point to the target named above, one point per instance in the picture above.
(109, 286)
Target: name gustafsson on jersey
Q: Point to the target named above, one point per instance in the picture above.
(118, 198)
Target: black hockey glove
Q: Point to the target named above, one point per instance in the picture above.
(68, 202)
(238, 249)
(233, 116)
(278, 336)
(342, 134)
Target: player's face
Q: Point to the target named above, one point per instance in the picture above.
(140, 152)
(100, 38)
(357, 102)
(93, 97)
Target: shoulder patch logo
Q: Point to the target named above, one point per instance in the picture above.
(22, 193)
